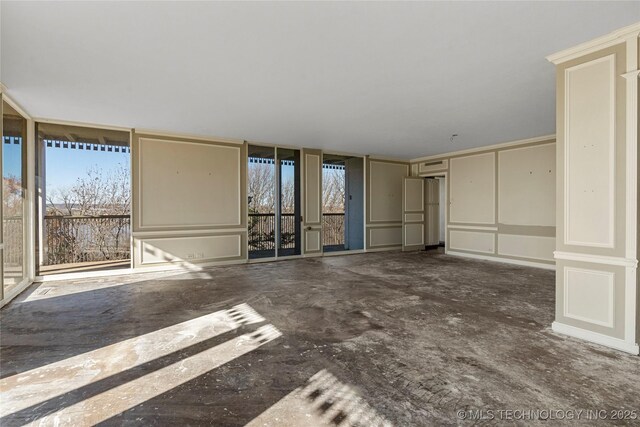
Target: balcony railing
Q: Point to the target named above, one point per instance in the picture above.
(78, 239)
(262, 230)
(332, 229)
(13, 230)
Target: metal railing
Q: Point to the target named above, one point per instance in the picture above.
(262, 230)
(332, 229)
(13, 239)
(75, 239)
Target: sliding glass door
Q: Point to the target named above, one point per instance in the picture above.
(14, 137)
(274, 202)
(261, 183)
(83, 199)
(289, 196)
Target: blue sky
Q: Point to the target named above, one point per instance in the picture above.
(65, 166)
(11, 160)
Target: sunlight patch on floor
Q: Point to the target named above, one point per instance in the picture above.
(115, 401)
(322, 401)
(38, 385)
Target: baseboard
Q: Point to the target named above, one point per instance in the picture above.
(347, 252)
(384, 249)
(615, 343)
(504, 260)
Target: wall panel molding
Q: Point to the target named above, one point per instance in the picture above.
(472, 192)
(190, 249)
(312, 188)
(590, 153)
(595, 337)
(525, 177)
(384, 191)
(530, 247)
(173, 177)
(189, 201)
(384, 236)
(589, 296)
(473, 241)
(596, 259)
(312, 241)
(597, 118)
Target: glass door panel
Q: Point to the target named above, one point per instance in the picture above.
(289, 202)
(14, 136)
(262, 207)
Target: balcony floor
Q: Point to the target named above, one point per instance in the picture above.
(83, 267)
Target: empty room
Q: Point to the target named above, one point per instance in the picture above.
(319, 213)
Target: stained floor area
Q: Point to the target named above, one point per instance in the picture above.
(368, 339)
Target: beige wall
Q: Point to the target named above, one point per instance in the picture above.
(189, 200)
(312, 202)
(597, 121)
(383, 209)
(501, 200)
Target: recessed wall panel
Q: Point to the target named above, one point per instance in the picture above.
(414, 234)
(533, 247)
(187, 184)
(589, 295)
(385, 191)
(413, 217)
(472, 193)
(414, 189)
(312, 188)
(526, 186)
(589, 153)
(190, 248)
(312, 241)
(472, 241)
(385, 237)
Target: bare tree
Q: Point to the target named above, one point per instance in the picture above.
(333, 190)
(13, 216)
(95, 226)
(12, 196)
(288, 196)
(98, 192)
(261, 187)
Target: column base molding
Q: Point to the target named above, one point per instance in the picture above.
(595, 337)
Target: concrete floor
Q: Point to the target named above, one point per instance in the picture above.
(369, 339)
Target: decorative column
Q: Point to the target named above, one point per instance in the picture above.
(597, 191)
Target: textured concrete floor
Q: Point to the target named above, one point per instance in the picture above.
(370, 339)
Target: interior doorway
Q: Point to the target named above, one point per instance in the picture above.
(83, 179)
(342, 203)
(435, 210)
(424, 212)
(274, 202)
(442, 227)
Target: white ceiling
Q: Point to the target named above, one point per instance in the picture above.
(393, 79)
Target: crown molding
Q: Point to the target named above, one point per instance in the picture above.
(614, 37)
(14, 104)
(169, 134)
(487, 148)
(80, 124)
